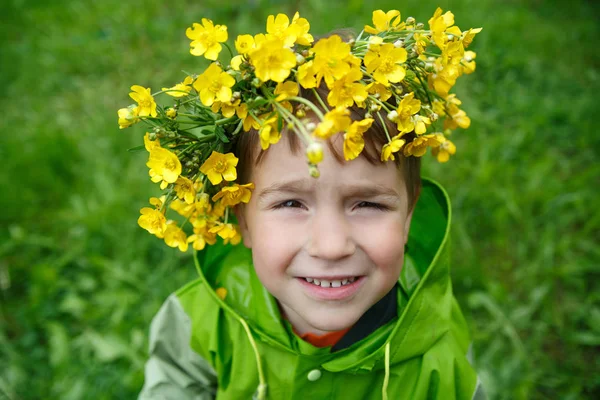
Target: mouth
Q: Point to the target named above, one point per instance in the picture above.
(332, 283)
(340, 288)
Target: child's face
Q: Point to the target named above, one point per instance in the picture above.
(349, 224)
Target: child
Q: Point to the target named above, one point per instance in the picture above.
(324, 300)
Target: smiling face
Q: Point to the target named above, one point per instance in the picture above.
(329, 248)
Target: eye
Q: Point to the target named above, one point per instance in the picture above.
(368, 204)
(289, 204)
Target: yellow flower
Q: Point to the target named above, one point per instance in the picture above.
(184, 188)
(421, 42)
(146, 104)
(406, 109)
(286, 90)
(335, 121)
(438, 25)
(244, 44)
(278, 27)
(268, 133)
(225, 231)
(331, 59)
(201, 238)
(248, 121)
(165, 164)
(171, 113)
(206, 38)
(379, 90)
(384, 63)
(444, 78)
(235, 194)
(227, 109)
(306, 75)
(419, 145)
(346, 90)
(158, 201)
(272, 61)
(456, 118)
(150, 144)
(467, 36)
(180, 89)
(354, 142)
(420, 123)
(153, 221)
(444, 150)
(220, 166)
(236, 62)
(388, 150)
(182, 208)
(214, 84)
(127, 116)
(300, 26)
(176, 237)
(382, 21)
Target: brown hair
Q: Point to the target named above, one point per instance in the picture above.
(249, 153)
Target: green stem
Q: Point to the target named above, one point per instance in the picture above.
(387, 134)
(320, 100)
(314, 108)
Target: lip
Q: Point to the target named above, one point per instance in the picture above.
(331, 293)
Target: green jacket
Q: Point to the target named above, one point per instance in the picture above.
(202, 347)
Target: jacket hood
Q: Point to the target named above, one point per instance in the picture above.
(427, 309)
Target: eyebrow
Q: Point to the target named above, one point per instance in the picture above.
(366, 189)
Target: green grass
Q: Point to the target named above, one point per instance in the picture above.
(80, 281)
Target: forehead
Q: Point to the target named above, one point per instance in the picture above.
(281, 163)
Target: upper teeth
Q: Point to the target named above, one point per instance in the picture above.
(334, 283)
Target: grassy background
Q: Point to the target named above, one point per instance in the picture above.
(80, 281)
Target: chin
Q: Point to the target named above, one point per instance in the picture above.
(331, 322)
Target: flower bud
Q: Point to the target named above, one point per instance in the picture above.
(374, 107)
(256, 82)
(311, 126)
(368, 115)
(300, 113)
(410, 21)
(305, 53)
(392, 116)
(433, 117)
(300, 59)
(420, 25)
(171, 113)
(398, 43)
(314, 153)
(313, 170)
(236, 95)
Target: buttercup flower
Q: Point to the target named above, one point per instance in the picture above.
(388, 150)
(379, 90)
(419, 146)
(220, 166)
(127, 117)
(314, 153)
(346, 90)
(181, 89)
(300, 26)
(146, 104)
(444, 150)
(165, 164)
(153, 221)
(184, 188)
(244, 44)
(206, 38)
(268, 133)
(176, 237)
(382, 21)
(201, 238)
(235, 194)
(331, 59)
(306, 75)
(214, 84)
(150, 144)
(354, 143)
(272, 61)
(406, 109)
(336, 120)
(286, 90)
(384, 62)
(438, 25)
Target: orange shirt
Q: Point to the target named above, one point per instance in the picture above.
(326, 340)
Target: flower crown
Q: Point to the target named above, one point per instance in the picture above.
(395, 69)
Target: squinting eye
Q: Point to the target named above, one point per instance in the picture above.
(289, 204)
(368, 204)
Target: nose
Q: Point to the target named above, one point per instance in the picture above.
(330, 236)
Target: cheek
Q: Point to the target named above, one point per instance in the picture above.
(384, 243)
(274, 245)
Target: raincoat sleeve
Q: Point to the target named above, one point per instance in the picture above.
(174, 371)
